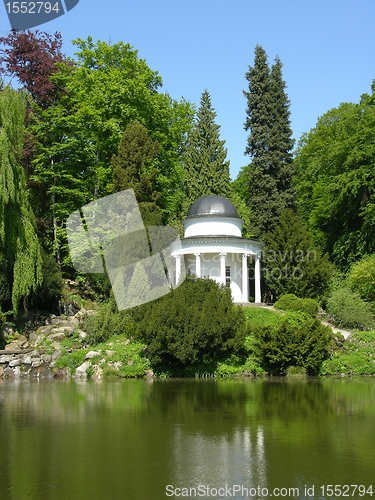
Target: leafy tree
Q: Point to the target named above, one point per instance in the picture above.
(134, 167)
(192, 327)
(269, 144)
(19, 245)
(207, 169)
(361, 277)
(292, 263)
(296, 339)
(31, 57)
(336, 183)
(107, 88)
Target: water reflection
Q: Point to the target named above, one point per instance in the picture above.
(130, 439)
(201, 460)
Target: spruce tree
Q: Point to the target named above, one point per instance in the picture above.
(207, 169)
(133, 168)
(269, 144)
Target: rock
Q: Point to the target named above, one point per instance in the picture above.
(81, 370)
(7, 330)
(110, 353)
(20, 338)
(98, 372)
(32, 336)
(65, 330)
(15, 362)
(56, 346)
(82, 335)
(130, 362)
(117, 365)
(36, 363)
(46, 358)
(92, 354)
(13, 346)
(27, 360)
(6, 358)
(149, 374)
(57, 336)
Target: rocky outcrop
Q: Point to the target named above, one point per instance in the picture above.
(34, 355)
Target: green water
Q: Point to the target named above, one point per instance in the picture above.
(139, 440)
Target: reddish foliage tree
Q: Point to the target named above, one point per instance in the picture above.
(31, 58)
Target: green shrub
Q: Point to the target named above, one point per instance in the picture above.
(291, 302)
(362, 277)
(295, 340)
(348, 310)
(195, 325)
(356, 357)
(71, 360)
(296, 372)
(107, 322)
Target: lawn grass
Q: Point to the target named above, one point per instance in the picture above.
(259, 316)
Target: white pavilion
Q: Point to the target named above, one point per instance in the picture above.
(213, 247)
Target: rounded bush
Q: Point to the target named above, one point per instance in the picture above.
(295, 340)
(291, 302)
(196, 325)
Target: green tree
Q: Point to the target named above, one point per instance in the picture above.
(207, 169)
(107, 88)
(336, 183)
(19, 245)
(134, 168)
(292, 263)
(269, 144)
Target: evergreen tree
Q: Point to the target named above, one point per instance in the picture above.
(133, 168)
(291, 261)
(19, 245)
(207, 170)
(269, 144)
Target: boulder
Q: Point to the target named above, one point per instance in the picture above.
(67, 331)
(55, 337)
(6, 358)
(92, 354)
(81, 370)
(27, 360)
(15, 362)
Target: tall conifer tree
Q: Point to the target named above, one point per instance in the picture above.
(269, 144)
(207, 169)
(134, 168)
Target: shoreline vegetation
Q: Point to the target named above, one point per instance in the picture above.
(102, 343)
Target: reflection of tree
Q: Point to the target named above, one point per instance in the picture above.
(130, 436)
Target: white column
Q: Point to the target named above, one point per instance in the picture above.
(245, 279)
(198, 270)
(222, 267)
(258, 298)
(178, 268)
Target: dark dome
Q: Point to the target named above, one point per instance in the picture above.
(212, 206)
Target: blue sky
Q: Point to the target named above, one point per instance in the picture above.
(327, 48)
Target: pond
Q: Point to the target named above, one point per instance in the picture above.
(137, 440)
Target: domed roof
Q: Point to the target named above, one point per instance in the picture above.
(212, 206)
